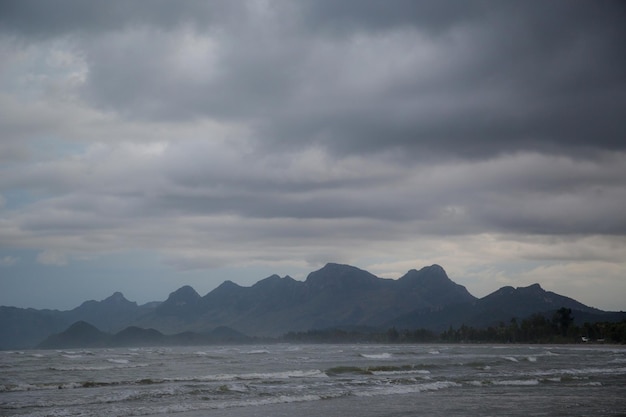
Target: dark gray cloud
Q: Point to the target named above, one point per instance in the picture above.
(431, 78)
(512, 77)
(42, 19)
(345, 17)
(510, 82)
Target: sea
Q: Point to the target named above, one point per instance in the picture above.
(317, 380)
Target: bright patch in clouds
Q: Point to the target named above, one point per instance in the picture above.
(8, 261)
(51, 257)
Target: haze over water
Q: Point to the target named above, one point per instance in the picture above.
(308, 380)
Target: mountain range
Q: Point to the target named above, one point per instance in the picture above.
(334, 296)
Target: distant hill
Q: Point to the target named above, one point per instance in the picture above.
(79, 335)
(336, 295)
(84, 335)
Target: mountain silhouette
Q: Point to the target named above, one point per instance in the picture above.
(79, 335)
(334, 296)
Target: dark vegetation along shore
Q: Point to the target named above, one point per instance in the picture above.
(535, 329)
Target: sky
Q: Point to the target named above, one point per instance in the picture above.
(150, 145)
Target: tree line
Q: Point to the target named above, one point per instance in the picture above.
(538, 328)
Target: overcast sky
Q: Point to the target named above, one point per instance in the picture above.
(149, 145)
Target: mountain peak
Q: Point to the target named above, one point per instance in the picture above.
(228, 285)
(534, 288)
(273, 282)
(116, 297)
(182, 302)
(223, 292)
(428, 275)
(81, 326)
(334, 275)
(184, 294)
(434, 268)
(509, 291)
(432, 285)
(523, 301)
(338, 269)
(269, 280)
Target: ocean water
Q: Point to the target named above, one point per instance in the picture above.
(317, 380)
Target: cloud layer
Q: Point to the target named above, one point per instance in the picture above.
(487, 137)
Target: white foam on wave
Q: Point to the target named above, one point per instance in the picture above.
(514, 382)
(122, 396)
(17, 387)
(517, 382)
(76, 352)
(580, 372)
(313, 373)
(96, 368)
(406, 389)
(376, 355)
(510, 358)
(281, 399)
(118, 361)
(236, 388)
(531, 359)
(185, 407)
(403, 372)
(72, 356)
(258, 352)
(602, 370)
(39, 387)
(196, 407)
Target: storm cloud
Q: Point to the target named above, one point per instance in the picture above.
(485, 136)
